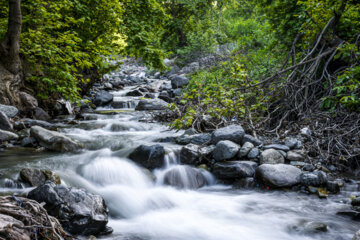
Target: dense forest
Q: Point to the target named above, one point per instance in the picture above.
(279, 75)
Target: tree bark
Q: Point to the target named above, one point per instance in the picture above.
(10, 62)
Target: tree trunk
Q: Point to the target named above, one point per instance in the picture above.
(10, 63)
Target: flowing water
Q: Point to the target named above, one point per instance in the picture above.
(143, 208)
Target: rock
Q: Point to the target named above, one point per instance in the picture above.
(185, 177)
(194, 139)
(28, 142)
(292, 143)
(355, 202)
(251, 139)
(271, 156)
(10, 111)
(150, 95)
(157, 75)
(310, 227)
(234, 133)
(308, 167)
(108, 86)
(278, 175)
(190, 68)
(28, 101)
(234, 169)
(295, 156)
(4, 122)
(190, 154)
(135, 93)
(7, 136)
(206, 152)
(247, 183)
(40, 114)
(225, 150)
(315, 179)
(245, 149)
(54, 141)
(103, 98)
(151, 104)
(254, 153)
(78, 211)
(305, 131)
(165, 96)
(150, 157)
(356, 236)
(179, 81)
(297, 164)
(28, 123)
(277, 147)
(36, 177)
(333, 187)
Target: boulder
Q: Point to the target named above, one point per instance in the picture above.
(251, 139)
(278, 175)
(150, 95)
(190, 154)
(164, 95)
(225, 150)
(7, 136)
(150, 157)
(315, 179)
(28, 101)
(78, 211)
(271, 156)
(277, 147)
(4, 122)
(151, 104)
(198, 139)
(103, 98)
(40, 114)
(135, 93)
(292, 143)
(206, 152)
(254, 153)
(355, 202)
(234, 133)
(37, 177)
(245, 149)
(295, 155)
(10, 111)
(28, 142)
(234, 169)
(54, 141)
(179, 81)
(28, 123)
(185, 177)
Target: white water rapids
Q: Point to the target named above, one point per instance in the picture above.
(143, 208)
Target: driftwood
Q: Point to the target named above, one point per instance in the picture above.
(26, 219)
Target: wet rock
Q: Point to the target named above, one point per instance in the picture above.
(245, 149)
(150, 157)
(194, 139)
(179, 81)
(28, 123)
(28, 101)
(297, 164)
(356, 236)
(190, 154)
(234, 133)
(54, 141)
(225, 150)
(4, 122)
(308, 167)
(271, 156)
(245, 183)
(333, 187)
(234, 169)
(103, 98)
(206, 152)
(108, 86)
(254, 153)
(36, 177)
(28, 142)
(355, 202)
(144, 90)
(40, 114)
(165, 96)
(277, 147)
(354, 215)
(309, 227)
(150, 95)
(7, 136)
(9, 111)
(295, 156)
(135, 93)
(151, 104)
(251, 139)
(278, 175)
(315, 179)
(185, 177)
(78, 211)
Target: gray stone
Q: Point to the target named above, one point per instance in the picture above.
(185, 177)
(277, 147)
(40, 114)
(78, 211)
(36, 177)
(28, 123)
(10, 111)
(103, 98)
(28, 142)
(333, 187)
(150, 95)
(165, 96)
(234, 169)
(315, 179)
(356, 236)
(355, 202)
(4, 122)
(254, 153)
(179, 81)
(190, 154)
(234, 133)
(135, 93)
(293, 143)
(245, 149)
(151, 104)
(271, 156)
(297, 164)
(198, 139)
(28, 101)
(278, 175)
(245, 183)
(150, 157)
(7, 136)
(308, 167)
(295, 155)
(108, 86)
(251, 139)
(54, 141)
(225, 150)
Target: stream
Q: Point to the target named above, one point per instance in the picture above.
(144, 208)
